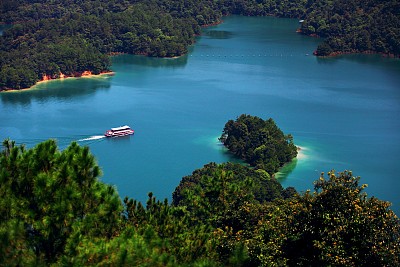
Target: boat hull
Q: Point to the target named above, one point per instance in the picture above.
(117, 132)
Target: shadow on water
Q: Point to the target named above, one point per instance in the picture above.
(231, 157)
(57, 89)
(286, 170)
(390, 64)
(123, 60)
(215, 34)
(327, 60)
(120, 139)
(364, 59)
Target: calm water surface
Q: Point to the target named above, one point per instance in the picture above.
(343, 111)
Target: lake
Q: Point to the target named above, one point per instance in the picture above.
(343, 111)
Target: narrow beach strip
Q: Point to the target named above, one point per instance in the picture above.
(45, 79)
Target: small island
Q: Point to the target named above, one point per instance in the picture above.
(258, 142)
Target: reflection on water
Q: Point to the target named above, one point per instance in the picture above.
(215, 34)
(362, 59)
(231, 157)
(326, 60)
(283, 174)
(62, 90)
(178, 62)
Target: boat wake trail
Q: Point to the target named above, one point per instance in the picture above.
(95, 137)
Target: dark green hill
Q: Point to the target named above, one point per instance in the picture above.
(50, 37)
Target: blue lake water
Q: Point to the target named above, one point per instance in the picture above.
(343, 111)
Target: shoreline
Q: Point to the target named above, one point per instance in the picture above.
(300, 152)
(299, 157)
(46, 78)
(352, 52)
(355, 52)
(220, 21)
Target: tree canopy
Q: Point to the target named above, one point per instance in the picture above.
(68, 40)
(337, 225)
(354, 26)
(258, 142)
(50, 37)
(49, 195)
(55, 212)
(224, 188)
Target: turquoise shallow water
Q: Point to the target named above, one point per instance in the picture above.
(343, 111)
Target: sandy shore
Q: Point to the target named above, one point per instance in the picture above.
(62, 77)
(300, 152)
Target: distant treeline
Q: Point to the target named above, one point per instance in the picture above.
(354, 26)
(69, 38)
(50, 37)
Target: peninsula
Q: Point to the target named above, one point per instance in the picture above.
(62, 76)
(49, 37)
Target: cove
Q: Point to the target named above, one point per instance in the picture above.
(343, 111)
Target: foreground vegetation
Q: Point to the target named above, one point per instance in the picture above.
(68, 37)
(55, 211)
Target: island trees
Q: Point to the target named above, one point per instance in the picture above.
(258, 142)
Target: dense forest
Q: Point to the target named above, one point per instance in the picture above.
(54, 37)
(54, 211)
(354, 26)
(258, 142)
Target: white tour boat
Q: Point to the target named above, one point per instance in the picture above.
(119, 131)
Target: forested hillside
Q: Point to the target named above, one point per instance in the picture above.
(354, 26)
(54, 211)
(54, 37)
(70, 38)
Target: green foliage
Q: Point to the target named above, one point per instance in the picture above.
(53, 36)
(354, 26)
(215, 193)
(24, 62)
(336, 226)
(228, 197)
(14, 247)
(260, 143)
(186, 241)
(47, 196)
(69, 37)
(155, 235)
(55, 211)
(324, 49)
(127, 249)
